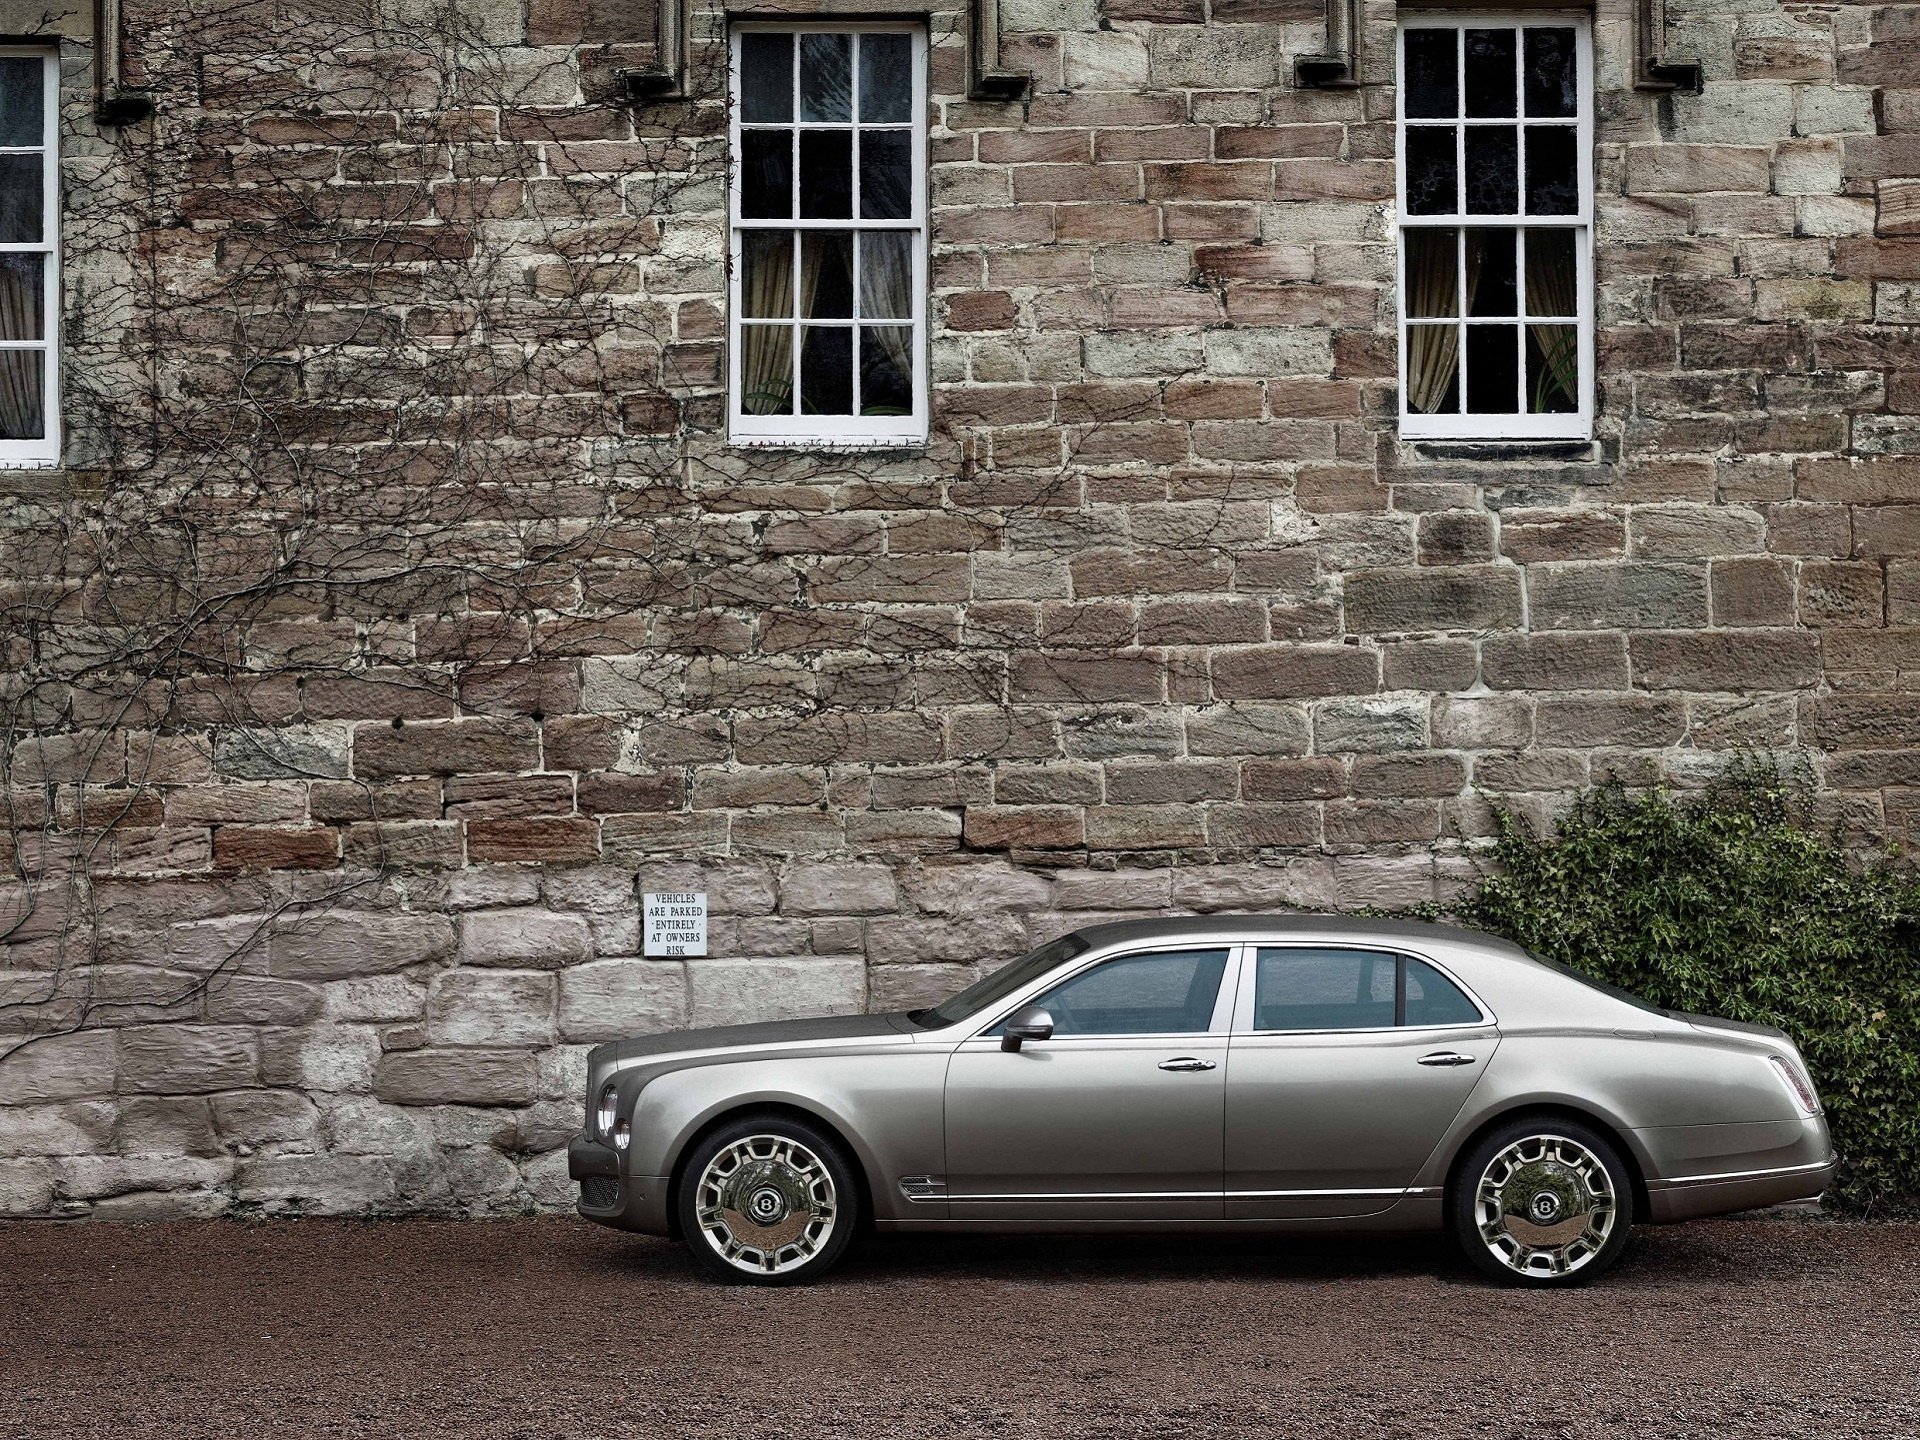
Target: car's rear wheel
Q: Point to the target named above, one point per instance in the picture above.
(1542, 1201)
(768, 1200)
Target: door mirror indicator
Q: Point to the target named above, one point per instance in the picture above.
(1029, 1022)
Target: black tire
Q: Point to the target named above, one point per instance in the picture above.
(1548, 1172)
(798, 1244)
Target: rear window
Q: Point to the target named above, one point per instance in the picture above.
(1298, 987)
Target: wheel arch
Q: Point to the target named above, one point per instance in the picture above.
(1617, 1134)
(789, 1109)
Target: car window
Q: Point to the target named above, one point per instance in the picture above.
(1305, 989)
(1160, 993)
(1432, 999)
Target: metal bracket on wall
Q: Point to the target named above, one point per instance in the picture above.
(1338, 66)
(987, 79)
(113, 102)
(1652, 70)
(666, 78)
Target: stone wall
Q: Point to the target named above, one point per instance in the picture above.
(339, 753)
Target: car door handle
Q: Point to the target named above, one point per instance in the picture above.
(1446, 1057)
(1186, 1062)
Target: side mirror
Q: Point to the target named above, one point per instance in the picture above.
(1029, 1022)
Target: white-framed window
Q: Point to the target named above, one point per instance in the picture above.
(828, 245)
(1495, 155)
(29, 256)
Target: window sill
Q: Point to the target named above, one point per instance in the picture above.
(1506, 449)
(916, 445)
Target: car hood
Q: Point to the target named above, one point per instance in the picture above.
(768, 1034)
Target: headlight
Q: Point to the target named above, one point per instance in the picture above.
(609, 1107)
(622, 1135)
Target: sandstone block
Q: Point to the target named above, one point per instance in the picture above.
(612, 999)
(733, 992)
(524, 937)
(188, 1059)
(58, 1067)
(456, 1077)
(70, 1128)
(338, 944)
(1427, 598)
(491, 1008)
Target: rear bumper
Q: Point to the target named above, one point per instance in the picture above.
(609, 1196)
(1689, 1197)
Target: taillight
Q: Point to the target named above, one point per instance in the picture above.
(1797, 1083)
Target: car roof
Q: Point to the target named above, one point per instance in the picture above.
(1349, 928)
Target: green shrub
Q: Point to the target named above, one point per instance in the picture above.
(1725, 904)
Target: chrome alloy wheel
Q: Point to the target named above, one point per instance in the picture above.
(1544, 1206)
(766, 1204)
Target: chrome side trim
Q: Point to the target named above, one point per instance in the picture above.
(1743, 1175)
(1418, 1192)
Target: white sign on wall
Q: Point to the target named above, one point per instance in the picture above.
(676, 924)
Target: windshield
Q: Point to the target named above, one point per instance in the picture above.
(1602, 986)
(1000, 984)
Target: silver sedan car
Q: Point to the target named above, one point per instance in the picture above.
(1242, 1074)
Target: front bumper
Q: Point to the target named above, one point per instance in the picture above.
(610, 1196)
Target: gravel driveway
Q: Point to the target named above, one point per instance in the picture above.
(553, 1327)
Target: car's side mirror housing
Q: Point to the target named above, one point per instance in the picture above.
(1029, 1022)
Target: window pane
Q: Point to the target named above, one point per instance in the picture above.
(1432, 182)
(826, 370)
(1165, 994)
(1490, 278)
(1553, 369)
(1552, 187)
(826, 275)
(766, 274)
(886, 78)
(1551, 86)
(886, 174)
(1432, 73)
(766, 175)
(22, 99)
(20, 181)
(1433, 369)
(766, 79)
(825, 77)
(1432, 999)
(886, 370)
(826, 174)
(1552, 279)
(22, 413)
(1493, 369)
(1433, 272)
(1490, 72)
(766, 369)
(22, 297)
(1323, 990)
(886, 274)
(1493, 170)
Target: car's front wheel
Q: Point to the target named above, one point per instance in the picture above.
(1542, 1201)
(768, 1200)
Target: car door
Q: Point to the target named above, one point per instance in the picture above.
(1116, 1116)
(1345, 1068)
